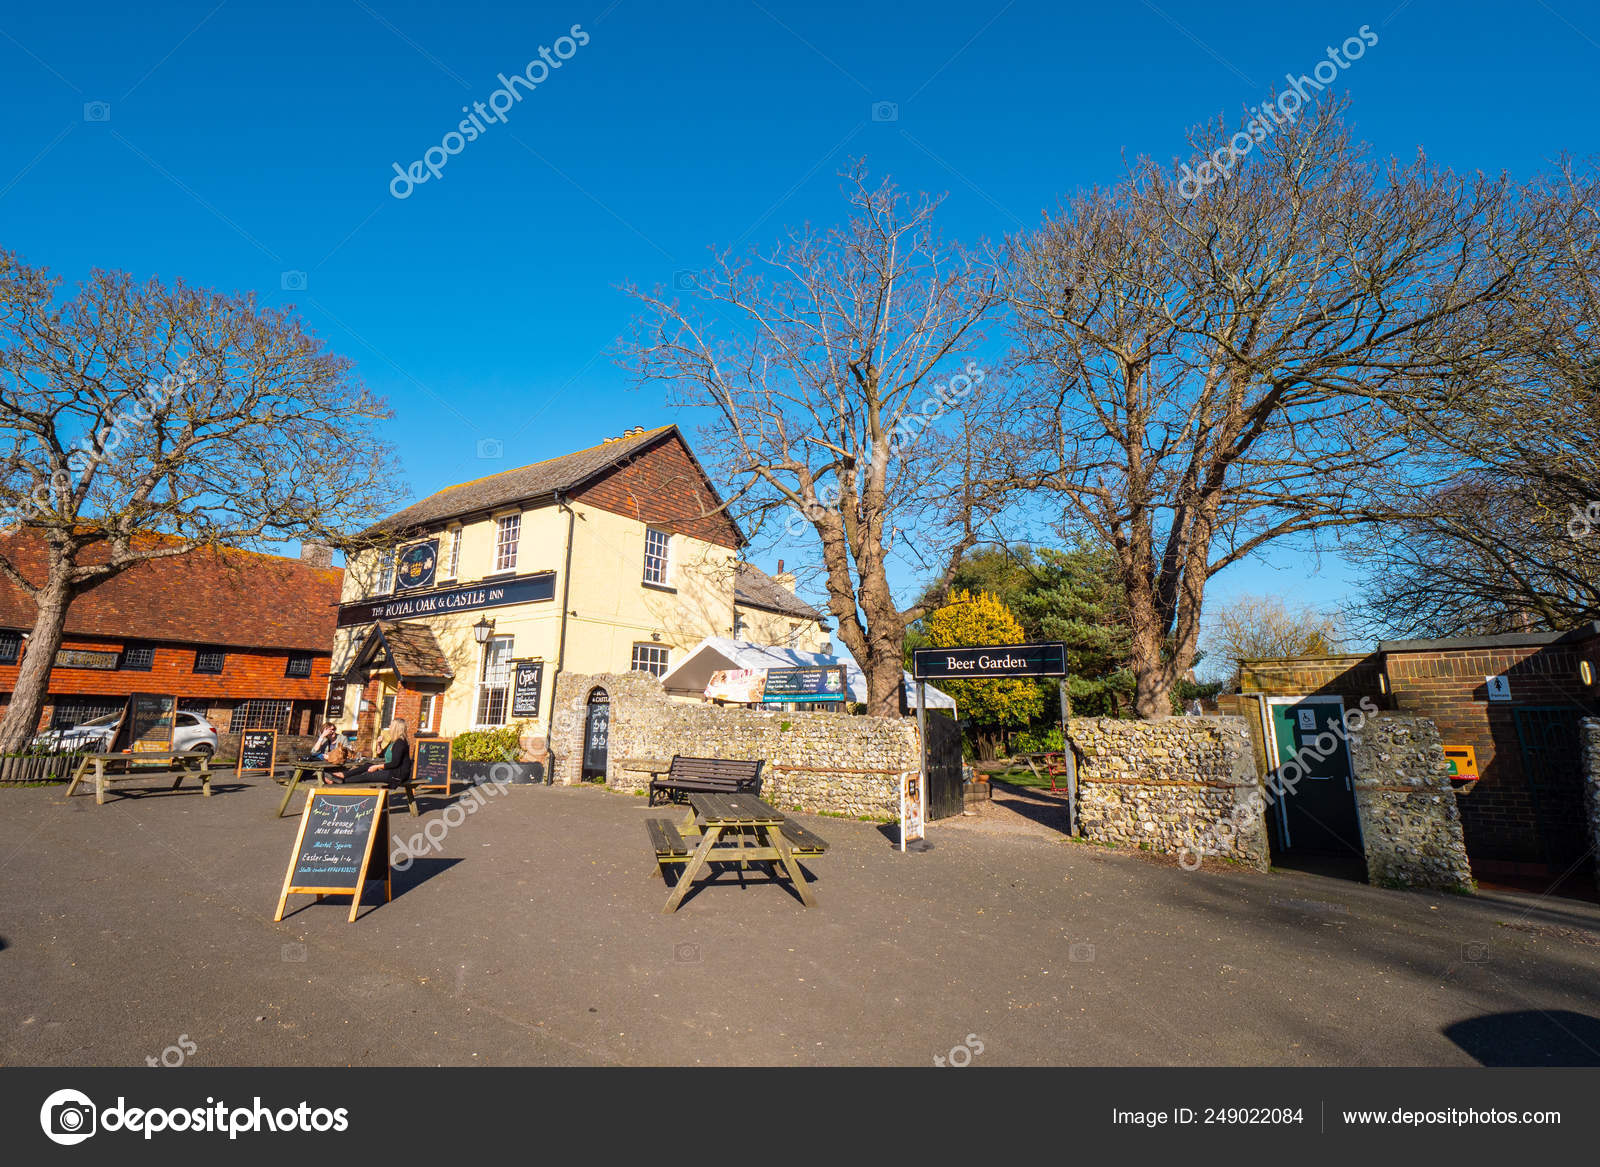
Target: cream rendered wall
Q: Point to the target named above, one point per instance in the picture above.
(764, 627)
(615, 609)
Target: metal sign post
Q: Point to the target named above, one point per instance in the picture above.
(1070, 760)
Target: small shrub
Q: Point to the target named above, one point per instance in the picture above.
(488, 745)
(1031, 742)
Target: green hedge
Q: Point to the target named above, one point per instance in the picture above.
(488, 745)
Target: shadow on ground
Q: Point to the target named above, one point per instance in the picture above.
(1529, 1037)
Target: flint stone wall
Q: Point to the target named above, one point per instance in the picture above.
(1184, 786)
(1590, 729)
(1410, 821)
(828, 762)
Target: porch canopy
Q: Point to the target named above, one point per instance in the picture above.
(691, 675)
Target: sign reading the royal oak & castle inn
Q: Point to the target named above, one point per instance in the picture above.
(528, 590)
(1044, 659)
(415, 565)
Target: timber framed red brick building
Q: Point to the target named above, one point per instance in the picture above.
(1515, 699)
(243, 639)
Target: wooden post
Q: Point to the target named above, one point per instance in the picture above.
(1069, 760)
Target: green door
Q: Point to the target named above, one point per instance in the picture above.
(1317, 809)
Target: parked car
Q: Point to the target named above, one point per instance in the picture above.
(192, 734)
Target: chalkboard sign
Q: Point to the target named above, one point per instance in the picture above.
(343, 843)
(335, 708)
(596, 738)
(147, 726)
(432, 770)
(258, 749)
(527, 680)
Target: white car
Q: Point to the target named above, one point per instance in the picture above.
(192, 734)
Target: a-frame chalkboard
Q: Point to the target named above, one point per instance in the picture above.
(342, 844)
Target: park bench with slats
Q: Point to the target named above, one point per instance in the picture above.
(687, 775)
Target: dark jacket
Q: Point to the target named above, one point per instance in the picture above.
(397, 758)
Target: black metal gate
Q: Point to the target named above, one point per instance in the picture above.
(1550, 760)
(942, 763)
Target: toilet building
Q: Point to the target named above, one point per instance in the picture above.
(1511, 704)
(615, 558)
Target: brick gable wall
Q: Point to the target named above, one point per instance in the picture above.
(664, 487)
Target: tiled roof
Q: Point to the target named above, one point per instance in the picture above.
(231, 598)
(415, 651)
(520, 485)
(756, 588)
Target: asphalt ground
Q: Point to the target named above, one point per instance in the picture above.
(533, 936)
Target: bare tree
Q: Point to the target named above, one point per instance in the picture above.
(1266, 628)
(845, 397)
(1511, 542)
(146, 421)
(1213, 374)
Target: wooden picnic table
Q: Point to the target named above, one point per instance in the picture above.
(298, 772)
(123, 766)
(732, 828)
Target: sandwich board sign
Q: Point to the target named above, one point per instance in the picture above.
(342, 844)
(431, 770)
(258, 750)
(146, 727)
(912, 827)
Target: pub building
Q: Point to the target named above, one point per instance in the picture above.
(241, 638)
(614, 558)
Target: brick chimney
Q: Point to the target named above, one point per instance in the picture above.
(316, 554)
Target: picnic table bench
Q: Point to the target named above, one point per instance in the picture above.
(732, 828)
(687, 775)
(123, 766)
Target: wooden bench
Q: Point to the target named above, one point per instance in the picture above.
(668, 843)
(707, 776)
(802, 841)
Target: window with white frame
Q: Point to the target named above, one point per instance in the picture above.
(494, 682)
(650, 658)
(655, 556)
(452, 553)
(385, 573)
(507, 537)
(425, 713)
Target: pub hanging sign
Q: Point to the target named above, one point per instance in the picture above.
(416, 565)
(335, 709)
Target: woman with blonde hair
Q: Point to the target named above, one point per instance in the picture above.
(392, 767)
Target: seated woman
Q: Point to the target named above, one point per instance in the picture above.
(391, 768)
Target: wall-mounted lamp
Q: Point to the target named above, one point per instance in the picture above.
(482, 630)
(1586, 672)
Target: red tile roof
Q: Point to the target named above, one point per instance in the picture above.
(233, 598)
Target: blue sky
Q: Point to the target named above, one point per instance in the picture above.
(240, 141)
